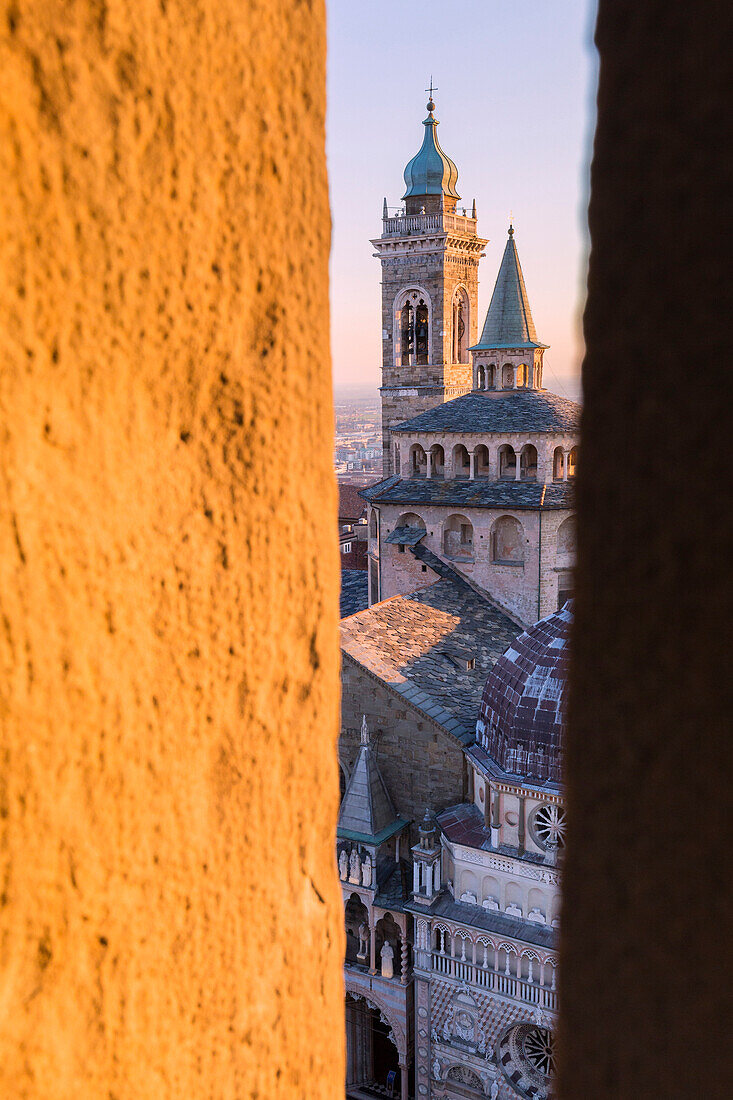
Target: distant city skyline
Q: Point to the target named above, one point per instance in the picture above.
(515, 95)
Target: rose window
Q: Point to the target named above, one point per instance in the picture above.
(539, 1048)
(547, 825)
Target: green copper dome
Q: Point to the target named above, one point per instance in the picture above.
(431, 172)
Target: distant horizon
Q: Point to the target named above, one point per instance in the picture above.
(516, 113)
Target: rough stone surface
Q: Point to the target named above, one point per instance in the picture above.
(646, 927)
(170, 914)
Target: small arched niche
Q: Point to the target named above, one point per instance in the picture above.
(528, 463)
(459, 328)
(507, 541)
(418, 461)
(458, 537)
(481, 465)
(507, 461)
(461, 461)
(437, 456)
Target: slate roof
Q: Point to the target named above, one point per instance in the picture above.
(366, 808)
(489, 920)
(519, 495)
(522, 717)
(509, 321)
(406, 536)
(354, 591)
(420, 644)
(500, 411)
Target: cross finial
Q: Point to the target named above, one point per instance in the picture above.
(511, 224)
(430, 90)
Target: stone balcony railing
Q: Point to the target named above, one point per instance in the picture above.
(414, 225)
(527, 990)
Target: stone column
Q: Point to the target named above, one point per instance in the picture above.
(496, 820)
(518, 467)
(428, 879)
(514, 378)
(416, 877)
(403, 957)
(429, 469)
(403, 1079)
(471, 465)
(565, 464)
(372, 944)
(521, 824)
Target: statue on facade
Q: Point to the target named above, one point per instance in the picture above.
(481, 1046)
(494, 1090)
(539, 1017)
(363, 934)
(436, 1069)
(354, 867)
(387, 956)
(366, 871)
(343, 864)
(446, 1029)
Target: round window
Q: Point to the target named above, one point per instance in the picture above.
(526, 1055)
(547, 826)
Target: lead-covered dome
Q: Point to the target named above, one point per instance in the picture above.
(430, 171)
(521, 722)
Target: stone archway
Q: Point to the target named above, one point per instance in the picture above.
(375, 1041)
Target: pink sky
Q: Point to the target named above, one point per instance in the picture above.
(515, 99)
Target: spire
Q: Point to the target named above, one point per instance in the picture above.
(431, 172)
(509, 321)
(366, 808)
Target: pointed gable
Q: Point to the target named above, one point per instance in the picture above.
(366, 808)
(509, 321)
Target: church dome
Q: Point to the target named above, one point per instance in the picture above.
(431, 172)
(521, 722)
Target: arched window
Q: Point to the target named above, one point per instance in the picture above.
(411, 519)
(558, 464)
(373, 525)
(507, 541)
(418, 461)
(438, 460)
(481, 461)
(412, 327)
(459, 331)
(397, 461)
(507, 377)
(572, 460)
(507, 461)
(461, 461)
(567, 537)
(528, 463)
(522, 375)
(458, 537)
(491, 376)
(481, 377)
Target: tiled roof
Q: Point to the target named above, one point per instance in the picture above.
(509, 321)
(479, 493)
(351, 504)
(501, 411)
(522, 718)
(406, 536)
(366, 808)
(421, 644)
(489, 920)
(354, 591)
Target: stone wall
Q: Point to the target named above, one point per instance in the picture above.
(421, 764)
(514, 587)
(170, 917)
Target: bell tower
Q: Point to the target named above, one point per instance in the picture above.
(429, 251)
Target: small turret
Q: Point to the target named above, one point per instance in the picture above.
(426, 862)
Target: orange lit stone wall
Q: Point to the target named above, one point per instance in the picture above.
(169, 914)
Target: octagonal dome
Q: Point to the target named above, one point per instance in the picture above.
(521, 722)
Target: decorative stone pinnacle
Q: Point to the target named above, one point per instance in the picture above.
(364, 730)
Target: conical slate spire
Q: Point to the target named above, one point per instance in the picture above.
(431, 172)
(366, 807)
(509, 321)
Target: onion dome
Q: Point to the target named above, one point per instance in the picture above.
(521, 722)
(431, 172)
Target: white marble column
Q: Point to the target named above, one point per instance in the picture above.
(428, 879)
(518, 467)
(372, 944)
(565, 464)
(416, 877)
(471, 465)
(429, 470)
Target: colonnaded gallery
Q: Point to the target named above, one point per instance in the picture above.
(451, 827)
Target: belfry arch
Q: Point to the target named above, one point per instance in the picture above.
(376, 1042)
(413, 319)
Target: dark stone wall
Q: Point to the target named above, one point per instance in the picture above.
(646, 989)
